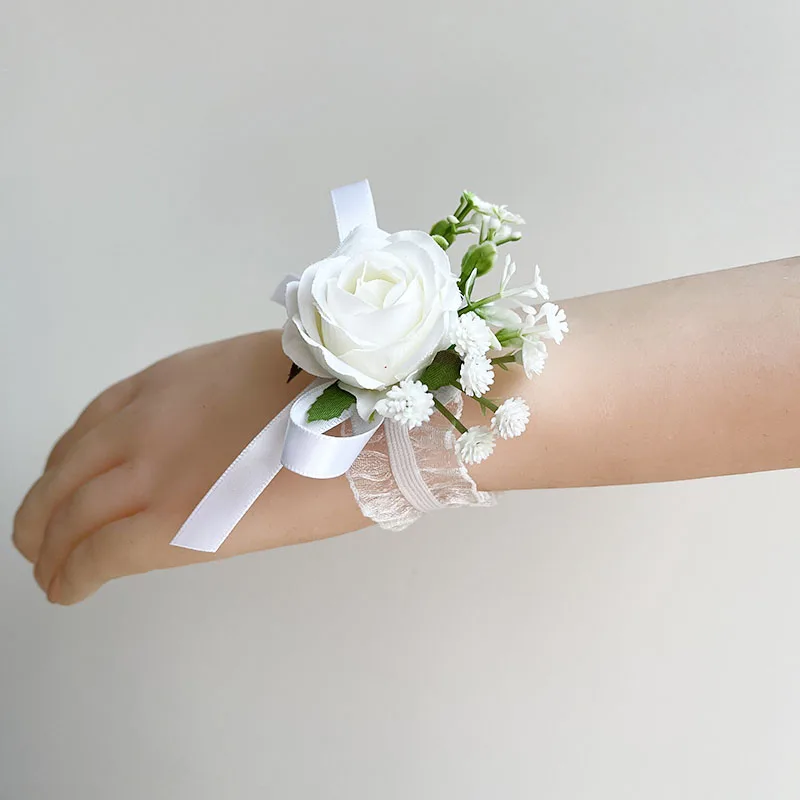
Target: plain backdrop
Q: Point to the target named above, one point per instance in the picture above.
(162, 164)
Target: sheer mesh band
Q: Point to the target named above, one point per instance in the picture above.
(401, 475)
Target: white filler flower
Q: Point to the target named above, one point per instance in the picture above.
(532, 356)
(475, 445)
(477, 375)
(511, 418)
(549, 322)
(537, 284)
(376, 311)
(472, 336)
(498, 215)
(409, 403)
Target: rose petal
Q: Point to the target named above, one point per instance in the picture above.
(339, 368)
(425, 242)
(299, 352)
(360, 239)
(291, 298)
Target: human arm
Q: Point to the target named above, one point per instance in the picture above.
(685, 378)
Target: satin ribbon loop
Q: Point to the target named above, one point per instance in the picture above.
(309, 450)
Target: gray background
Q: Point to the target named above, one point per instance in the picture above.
(162, 164)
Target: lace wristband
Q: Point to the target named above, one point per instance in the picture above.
(402, 474)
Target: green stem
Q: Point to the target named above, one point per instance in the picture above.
(478, 303)
(485, 403)
(509, 359)
(506, 335)
(464, 207)
(442, 409)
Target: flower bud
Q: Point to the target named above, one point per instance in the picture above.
(480, 257)
(446, 230)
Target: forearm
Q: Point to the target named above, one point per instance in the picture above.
(685, 378)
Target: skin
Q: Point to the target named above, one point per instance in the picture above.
(686, 378)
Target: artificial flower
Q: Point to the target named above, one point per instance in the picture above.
(477, 375)
(472, 336)
(511, 418)
(532, 355)
(409, 403)
(549, 322)
(376, 311)
(498, 215)
(475, 445)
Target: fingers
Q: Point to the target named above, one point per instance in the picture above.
(112, 400)
(99, 450)
(115, 494)
(115, 550)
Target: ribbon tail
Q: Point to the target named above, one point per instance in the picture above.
(228, 500)
(288, 441)
(353, 206)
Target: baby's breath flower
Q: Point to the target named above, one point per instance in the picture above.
(511, 418)
(408, 402)
(475, 445)
(472, 336)
(477, 375)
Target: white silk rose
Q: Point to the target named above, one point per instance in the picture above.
(373, 313)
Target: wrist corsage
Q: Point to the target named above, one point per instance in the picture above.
(396, 339)
(388, 320)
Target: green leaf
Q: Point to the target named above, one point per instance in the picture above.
(444, 370)
(330, 404)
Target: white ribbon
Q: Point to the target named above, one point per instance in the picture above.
(289, 440)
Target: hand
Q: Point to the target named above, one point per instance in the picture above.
(119, 484)
(621, 403)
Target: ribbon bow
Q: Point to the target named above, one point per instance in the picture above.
(289, 440)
